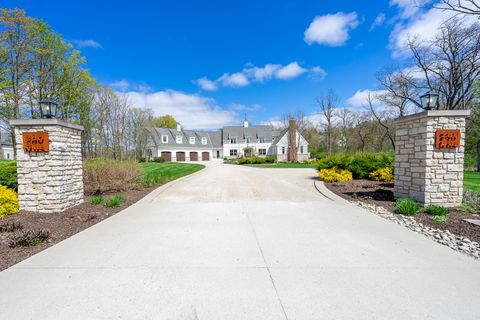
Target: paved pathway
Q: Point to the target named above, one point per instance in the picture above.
(235, 242)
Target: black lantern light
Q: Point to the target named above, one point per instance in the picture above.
(48, 108)
(429, 101)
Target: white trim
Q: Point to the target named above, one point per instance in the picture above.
(191, 140)
(164, 139)
(178, 139)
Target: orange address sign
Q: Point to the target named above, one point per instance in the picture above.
(35, 141)
(447, 139)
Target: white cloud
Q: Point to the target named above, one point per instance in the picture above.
(87, 44)
(379, 20)
(331, 29)
(206, 84)
(121, 85)
(408, 8)
(234, 80)
(290, 71)
(423, 26)
(359, 99)
(260, 74)
(191, 110)
(243, 107)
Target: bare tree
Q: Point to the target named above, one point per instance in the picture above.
(450, 64)
(346, 121)
(327, 105)
(470, 7)
(384, 119)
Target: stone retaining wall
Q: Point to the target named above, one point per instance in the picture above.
(50, 181)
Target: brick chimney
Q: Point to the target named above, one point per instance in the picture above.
(292, 140)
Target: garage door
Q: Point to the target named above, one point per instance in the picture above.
(167, 155)
(180, 156)
(193, 156)
(205, 156)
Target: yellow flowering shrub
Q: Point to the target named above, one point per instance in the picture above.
(335, 175)
(8, 201)
(382, 174)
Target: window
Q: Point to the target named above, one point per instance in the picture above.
(233, 152)
(301, 149)
(247, 140)
(261, 140)
(192, 140)
(233, 140)
(179, 139)
(204, 141)
(164, 139)
(262, 152)
(283, 150)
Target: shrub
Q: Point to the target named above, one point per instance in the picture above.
(382, 174)
(440, 219)
(141, 160)
(97, 200)
(471, 201)
(159, 159)
(10, 226)
(360, 164)
(29, 238)
(115, 201)
(8, 201)
(270, 159)
(8, 174)
(406, 206)
(100, 176)
(436, 210)
(335, 175)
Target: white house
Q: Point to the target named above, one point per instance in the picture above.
(6, 146)
(229, 142)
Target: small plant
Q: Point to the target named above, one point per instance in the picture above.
(382, 174)
(335, 175)
(436, 210)
(8, 201)
(10, 226)
(142, 160)
(406, 206)
(115, 201)
(97, 200)
(159, 159)
(440, 219)
(465, 207)
(29, 238)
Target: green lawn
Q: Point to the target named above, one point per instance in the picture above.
(472, 180)
(158, 173)
(282, 165)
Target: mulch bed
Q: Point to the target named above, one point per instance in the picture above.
(59, 225)
(381, 194)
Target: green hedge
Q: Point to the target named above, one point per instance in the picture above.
(360, 164)
(8, 174)
(256, 160)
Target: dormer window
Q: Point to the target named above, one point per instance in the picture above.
(192, 140)
(233, 140)
(261, 140)
(247, 139)
(164, 139)
(204, 141)
(179, 139)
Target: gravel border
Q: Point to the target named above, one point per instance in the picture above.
(445, 237)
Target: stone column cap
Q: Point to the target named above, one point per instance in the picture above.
(435, 113)
(44, 122)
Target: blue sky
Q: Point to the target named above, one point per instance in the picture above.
(263, 58)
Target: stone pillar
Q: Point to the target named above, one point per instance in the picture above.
(49, 164)
(429, 157)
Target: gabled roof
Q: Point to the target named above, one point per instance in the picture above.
(5, 138)
(279, 136)
(240, 132)
(172, 134)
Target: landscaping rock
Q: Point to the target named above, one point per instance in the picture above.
(445, 237)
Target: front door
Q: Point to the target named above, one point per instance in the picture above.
(218, 154)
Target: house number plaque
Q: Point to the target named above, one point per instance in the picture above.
(447, 139)
(35, 141)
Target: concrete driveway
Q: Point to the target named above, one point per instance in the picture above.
(235, 242)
